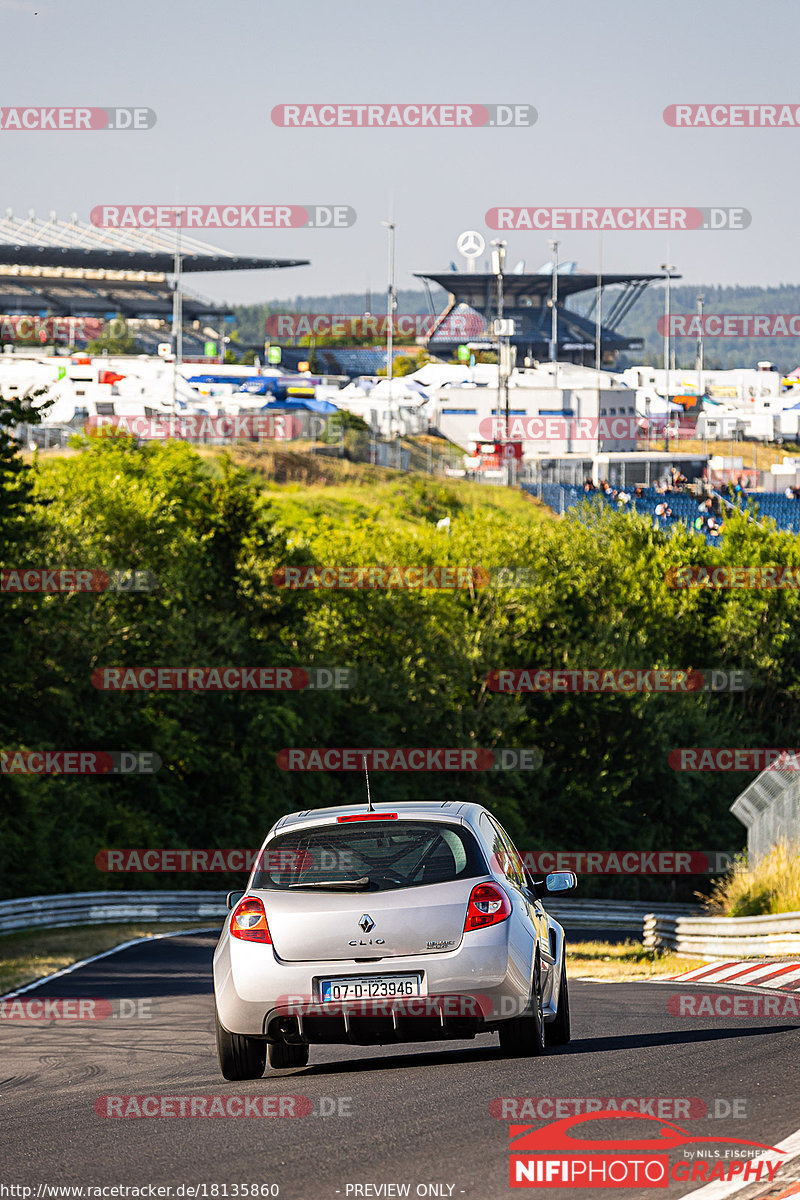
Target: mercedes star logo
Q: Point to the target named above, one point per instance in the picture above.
(470, 243)
(366, 923)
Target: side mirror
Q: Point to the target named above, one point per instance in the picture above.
(560, 881)
(233, 898)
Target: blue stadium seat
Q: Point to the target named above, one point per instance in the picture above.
(685, 508)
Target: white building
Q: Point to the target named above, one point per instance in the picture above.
(553, 408)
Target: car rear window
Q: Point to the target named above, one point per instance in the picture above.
(391, 854)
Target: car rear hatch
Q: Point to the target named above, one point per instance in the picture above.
(420, 874)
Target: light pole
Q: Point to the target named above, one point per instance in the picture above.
(668, 268)
(498, 262)
(391, 303)
(700, 300)
(177, 317)
(554, 307)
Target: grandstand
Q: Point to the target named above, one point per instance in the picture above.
(685, 507)
(54, 268)
(525, 299)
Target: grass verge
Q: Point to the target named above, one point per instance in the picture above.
(31, 954)
(772, 885)
(624, 961)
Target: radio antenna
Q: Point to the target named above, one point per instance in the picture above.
(366, 772)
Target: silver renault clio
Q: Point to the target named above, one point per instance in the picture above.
(375, 924)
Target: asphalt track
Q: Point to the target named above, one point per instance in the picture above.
(416, 1116)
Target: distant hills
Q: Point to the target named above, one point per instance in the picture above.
(719, 353)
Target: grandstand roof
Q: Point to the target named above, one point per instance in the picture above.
(28, 241)
(479, 290)
(526, 299)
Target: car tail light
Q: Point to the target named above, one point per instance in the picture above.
(373, 816)
(488, 905)
(249, 921)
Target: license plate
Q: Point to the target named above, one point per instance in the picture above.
(371, 987)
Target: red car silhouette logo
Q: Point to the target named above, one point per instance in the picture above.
(555, 1136)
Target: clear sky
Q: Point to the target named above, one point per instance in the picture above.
(598, 72)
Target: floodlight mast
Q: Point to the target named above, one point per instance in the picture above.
(177, 317)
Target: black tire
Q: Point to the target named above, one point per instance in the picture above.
(283, 1056)
(557, 1033)
(240, 1057)
(524, 1036)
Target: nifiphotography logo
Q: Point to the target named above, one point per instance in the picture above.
(549, 1157)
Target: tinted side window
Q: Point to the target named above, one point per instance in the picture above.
(506, 854)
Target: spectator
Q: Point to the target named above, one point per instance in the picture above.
(588, 486)
(790, 493)
(663, 511)
(623, 498)
(638, 492)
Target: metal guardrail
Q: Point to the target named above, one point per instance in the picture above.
(103, 908)
(678, 927)
(725, 937)
(615, 916)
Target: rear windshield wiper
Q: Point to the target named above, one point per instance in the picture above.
(344, 885)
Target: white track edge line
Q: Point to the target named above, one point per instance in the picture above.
(85, 962)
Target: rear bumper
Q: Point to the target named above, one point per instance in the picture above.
(485, 980)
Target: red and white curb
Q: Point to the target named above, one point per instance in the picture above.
(778, 976)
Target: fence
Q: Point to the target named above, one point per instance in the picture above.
(724, 937)
(770, 808)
